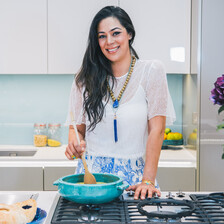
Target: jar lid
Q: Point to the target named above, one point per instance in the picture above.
(39, 125)
(54, 125)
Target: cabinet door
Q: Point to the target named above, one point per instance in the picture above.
(21, 178)
(177, 178)
(23, 39)
(68, 29)
(51, 174)
(162, 31)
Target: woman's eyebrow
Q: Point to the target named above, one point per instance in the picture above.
(110, 30)
(115, 28)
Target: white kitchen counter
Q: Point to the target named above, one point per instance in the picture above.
(178, 158)
(55, 156)
(44, 157)
(44, 200)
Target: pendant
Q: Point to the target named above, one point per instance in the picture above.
(115, 128)
(116, 104)
(115, 107)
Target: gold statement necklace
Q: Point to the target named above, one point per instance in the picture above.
(116, 101)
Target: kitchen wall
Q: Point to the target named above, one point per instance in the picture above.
(29, 99)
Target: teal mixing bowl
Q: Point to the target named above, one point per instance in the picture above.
(70, 188)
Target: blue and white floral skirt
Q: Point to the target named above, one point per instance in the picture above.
(129, 170)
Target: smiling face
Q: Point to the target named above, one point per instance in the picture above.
(113, 40)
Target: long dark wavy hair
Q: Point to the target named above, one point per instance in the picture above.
(96, 67)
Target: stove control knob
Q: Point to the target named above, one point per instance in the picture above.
(180, 194)
(170, 195)
(131, 193)
(155, 195)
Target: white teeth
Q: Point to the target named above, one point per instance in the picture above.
(112, 50)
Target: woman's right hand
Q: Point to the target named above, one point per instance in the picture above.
(74, 149)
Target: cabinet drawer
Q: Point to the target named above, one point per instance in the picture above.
(177, 178)
(21, 178)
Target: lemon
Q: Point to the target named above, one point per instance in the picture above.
(193, 136)
(170, 136)
(177, 136)
(53, 143)
(167, 130)
(174, 136)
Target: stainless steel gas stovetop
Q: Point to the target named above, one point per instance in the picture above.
(169, 208)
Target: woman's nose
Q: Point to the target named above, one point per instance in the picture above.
(110, 39)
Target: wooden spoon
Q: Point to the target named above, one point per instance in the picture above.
(88, 177)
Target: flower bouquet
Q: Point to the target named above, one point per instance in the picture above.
(217, 97)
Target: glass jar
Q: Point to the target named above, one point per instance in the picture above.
(54, 135)
(40, 135)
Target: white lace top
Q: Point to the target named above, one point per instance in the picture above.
(145, 97)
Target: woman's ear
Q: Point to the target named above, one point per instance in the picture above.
(129, 36)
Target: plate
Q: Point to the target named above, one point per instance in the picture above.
(39, 217)
(14, 198)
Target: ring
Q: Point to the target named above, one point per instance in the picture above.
(73, 157)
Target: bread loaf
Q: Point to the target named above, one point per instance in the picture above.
(18, 213)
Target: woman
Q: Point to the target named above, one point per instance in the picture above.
(120, 105)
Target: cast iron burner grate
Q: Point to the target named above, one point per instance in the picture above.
(208, 209)
(70, 212)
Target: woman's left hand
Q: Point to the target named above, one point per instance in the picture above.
(142, 190)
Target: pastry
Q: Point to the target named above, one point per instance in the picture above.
(18, 213)
(29, 208)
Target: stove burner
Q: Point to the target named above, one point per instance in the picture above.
(166, 202)
(89, 213)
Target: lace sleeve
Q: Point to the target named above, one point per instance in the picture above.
(157, 93)
(76, 105)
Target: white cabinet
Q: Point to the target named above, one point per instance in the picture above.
(162, 31)
(23, 42)
(68, 29)
(50, 36)
(32, 178)
(21, 178)
(177, 178)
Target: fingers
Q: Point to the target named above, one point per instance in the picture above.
(131, 188)
(137, 192)
(69, 152)
(143, 190)
(158, 192)
(83, 143)
(75, 150)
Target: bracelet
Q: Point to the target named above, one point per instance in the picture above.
(148, 182)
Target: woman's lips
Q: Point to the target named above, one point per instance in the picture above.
(112, 50)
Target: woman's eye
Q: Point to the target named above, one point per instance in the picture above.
(116, 33)
(102, 36)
